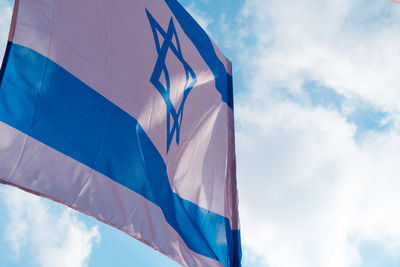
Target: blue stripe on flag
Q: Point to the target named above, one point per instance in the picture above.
(203, 44)
(46, 102)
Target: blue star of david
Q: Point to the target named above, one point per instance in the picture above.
(174, 117)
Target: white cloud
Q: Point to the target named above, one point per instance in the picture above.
(318, 194)
(199, 16)
(309, 193)
(54, 237)
(350, 45)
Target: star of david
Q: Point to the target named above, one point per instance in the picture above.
(164, 41)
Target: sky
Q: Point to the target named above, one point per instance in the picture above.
(317, 88)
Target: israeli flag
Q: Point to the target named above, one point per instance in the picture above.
(123, 110)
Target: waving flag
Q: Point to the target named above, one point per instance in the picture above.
(123, 110)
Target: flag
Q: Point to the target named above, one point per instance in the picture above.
(123, 110)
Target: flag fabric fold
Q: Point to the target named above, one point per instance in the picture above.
(123, 110)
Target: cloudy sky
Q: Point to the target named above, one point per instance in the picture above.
(317, 87)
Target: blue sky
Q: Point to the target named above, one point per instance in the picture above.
(318, 131)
